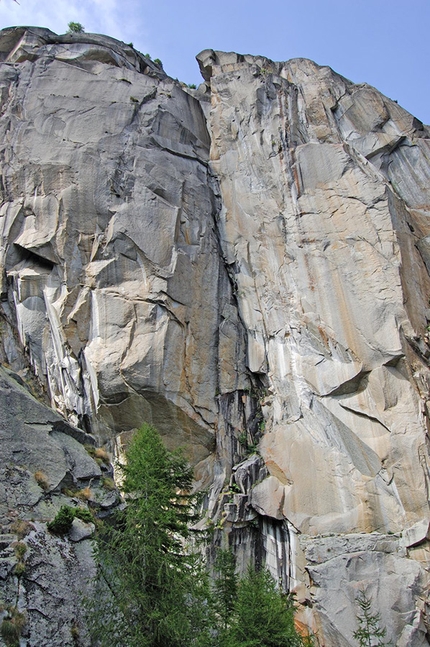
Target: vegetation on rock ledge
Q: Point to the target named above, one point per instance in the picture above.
(75, 28)
(63, 520)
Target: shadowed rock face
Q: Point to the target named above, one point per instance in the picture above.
(239, 264)
(42, 459)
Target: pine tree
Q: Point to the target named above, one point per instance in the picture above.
(263, 615)
(225, 588)
(369, 632)
(151, 590)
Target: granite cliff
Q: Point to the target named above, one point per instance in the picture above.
(246, 266)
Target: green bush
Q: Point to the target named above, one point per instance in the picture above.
(83, 514)
(63, 520)
(19, 569)
(11, 627)
(20, 549)
(10, 633)
(369, 630)
(75, 28)
(262, 615)
(108, 483)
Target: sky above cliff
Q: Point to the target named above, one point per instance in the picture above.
(381, 42)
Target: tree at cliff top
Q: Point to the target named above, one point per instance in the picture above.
(75, 28)
(152, 590)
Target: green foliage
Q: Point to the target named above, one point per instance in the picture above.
(150, 588)
(234, 487)
(9, 633)
(83, 514)
(19, 569)
(99, 454)
(11, 627)
(156, 60)
(369, 633)
(63, 520)
(75, 28)
(20, 549)
(250, 448)
(108, 483)
(225, 588)
(75, 634)
(263, 615)
(243, 438)
(192, 86)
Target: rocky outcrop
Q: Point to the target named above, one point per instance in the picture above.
(45, 463)
(245, 266)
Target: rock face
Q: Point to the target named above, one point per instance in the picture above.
(43, 460)
(247, 267)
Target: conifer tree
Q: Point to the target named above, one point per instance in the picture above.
(151, 591)
(369, 632)
(263, 615)
(225, 588)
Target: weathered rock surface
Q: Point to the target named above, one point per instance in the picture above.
(42, 463)
(243, 264)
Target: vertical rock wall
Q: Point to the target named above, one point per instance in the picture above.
(325, 192)
(245, 266)
(110, 261)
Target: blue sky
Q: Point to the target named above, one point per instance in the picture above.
(381, 42)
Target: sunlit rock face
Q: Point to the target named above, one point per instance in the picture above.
(110, 255)
(325, 192)
(330, 286)
(242, 265)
